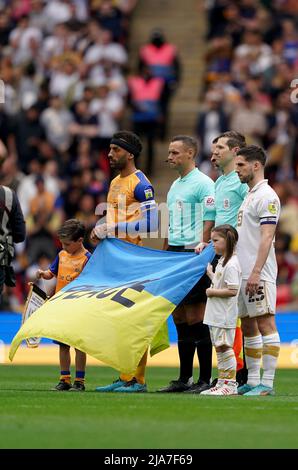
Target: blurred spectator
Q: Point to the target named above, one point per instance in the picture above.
(161, 57)
(145, 95)
(211, 122)
(27, 136)
(85, 123)
(218, 57)
(63, 63)
(251, 60)
(286, 270)
(86, 214)
(25, 41)
(10, 174)
(41, 207)
(38, 15)
(110, 17)
(27, 188)
(282, 124)
(56, 120)
(58, 11)
(108, 106)
(28, 87)
(56, 44)
(42, 222)
(42, 262)
(5, 29)
(249, 119)
(65, 81)
(102, 50)
(254, 52)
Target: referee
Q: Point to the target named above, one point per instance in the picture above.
(191, 207)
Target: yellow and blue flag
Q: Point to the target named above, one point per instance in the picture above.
(118, 306)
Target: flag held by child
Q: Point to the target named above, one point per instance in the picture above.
(119, 304)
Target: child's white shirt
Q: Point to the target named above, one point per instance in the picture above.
(223, 311)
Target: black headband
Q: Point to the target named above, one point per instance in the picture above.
(126, 146)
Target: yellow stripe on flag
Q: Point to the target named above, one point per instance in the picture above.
(102, 328)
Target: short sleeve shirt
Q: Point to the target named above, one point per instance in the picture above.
(190, 202)
(229, 195)
(67, 267)
(127, 197)
(222, 312)
(261, 206)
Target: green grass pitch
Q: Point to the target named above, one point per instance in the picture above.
(33, 417)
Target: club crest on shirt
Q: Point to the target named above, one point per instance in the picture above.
(272, 207)
(226, 203)
(148, 193)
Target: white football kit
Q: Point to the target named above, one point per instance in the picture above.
(261, 206)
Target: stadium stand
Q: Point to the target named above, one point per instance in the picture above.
(251, 59)
(63, 64)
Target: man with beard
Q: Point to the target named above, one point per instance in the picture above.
(131, 211)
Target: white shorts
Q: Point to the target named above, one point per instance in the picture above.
(260, 304)
(222, 336)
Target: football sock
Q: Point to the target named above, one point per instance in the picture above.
(80, 376)
(140, 372)
(126, 377)
(253, 354)
(238, 346)
(226, 364)
(204, 350)
(65, 375)
(271, 347)
(186, 349)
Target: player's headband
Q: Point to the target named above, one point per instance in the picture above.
(126, 146)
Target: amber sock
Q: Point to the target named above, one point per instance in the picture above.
(65, 375)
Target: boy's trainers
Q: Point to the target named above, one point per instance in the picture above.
(131, 387)
(244, 389)
(111, 387)
(62, 386)
(260, 390)
(78, 386)
(222, 388)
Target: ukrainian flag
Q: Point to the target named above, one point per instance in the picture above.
(118, 306)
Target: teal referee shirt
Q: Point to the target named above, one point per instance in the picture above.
(229, 195)
(190, 202)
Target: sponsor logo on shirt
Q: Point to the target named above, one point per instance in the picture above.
(209, 201)
(273, 207)
(148, 193)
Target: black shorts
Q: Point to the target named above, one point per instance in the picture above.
(197, 294)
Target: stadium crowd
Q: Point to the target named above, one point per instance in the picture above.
(251, 60)
(64, 64)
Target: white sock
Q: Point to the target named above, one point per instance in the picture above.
(271, 347)
(253, 347)
(226, 363)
